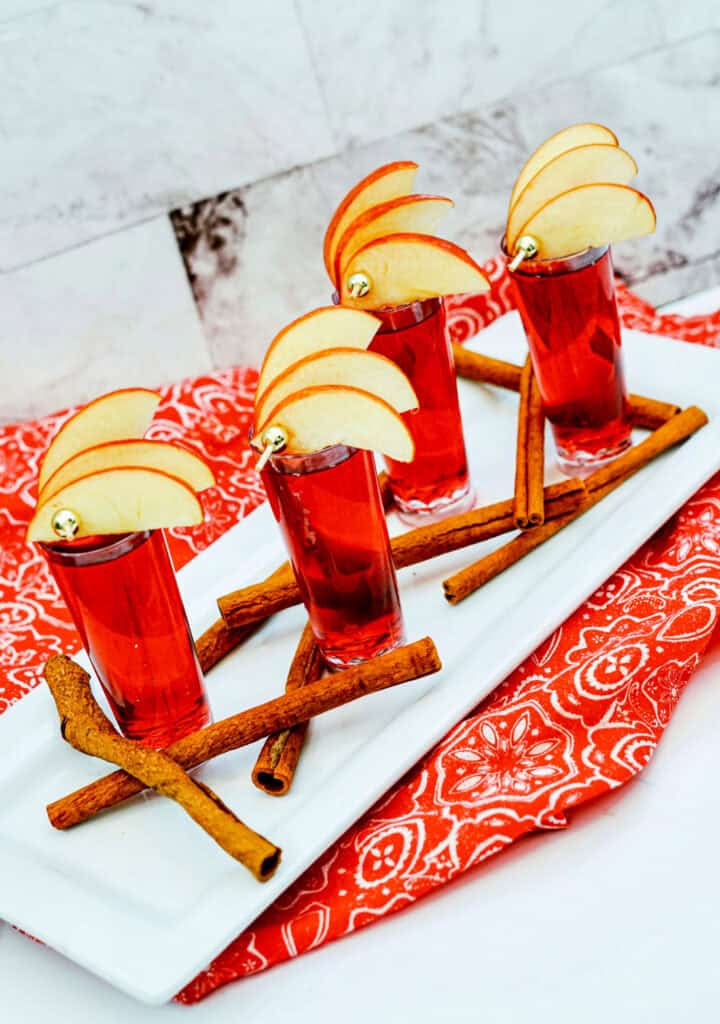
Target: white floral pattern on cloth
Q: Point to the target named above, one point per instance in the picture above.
(579, 717)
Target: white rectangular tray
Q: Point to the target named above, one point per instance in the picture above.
(144, 899)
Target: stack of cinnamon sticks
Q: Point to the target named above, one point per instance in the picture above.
(538, 511)
(529, 500)
(85, 727)
(669, 425)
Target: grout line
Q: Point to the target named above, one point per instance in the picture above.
(512, 97)
(446, 118)
(6, 271)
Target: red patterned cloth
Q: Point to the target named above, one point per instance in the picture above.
(580, 717)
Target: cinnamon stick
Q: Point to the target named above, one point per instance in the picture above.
(84, 726)
(647, 413)
(411, 662)
(529, 503)
(677, 429)
(536, 456)
(485, 369)
(650, 413)
(218, 640)
(520, 500)
(274, 769)
(263, 599)
(599, 484)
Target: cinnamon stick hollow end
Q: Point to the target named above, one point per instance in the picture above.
(274, 769)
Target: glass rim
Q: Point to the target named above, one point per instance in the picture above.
(299, 463)
(302, 463)
(565, 264)
(335, 297)
(114, 547)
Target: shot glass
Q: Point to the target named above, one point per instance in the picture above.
(123, 597)
(328, 507)
(437, 482)
(569, 313)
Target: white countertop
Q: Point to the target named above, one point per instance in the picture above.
(613, 918)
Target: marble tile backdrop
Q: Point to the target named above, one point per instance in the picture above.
(497, 49)
(254, 255)
(114, 313)
(116, 112)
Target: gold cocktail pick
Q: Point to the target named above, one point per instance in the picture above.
(65, 523)
(274, 439)
(526, 248)
(358, 285)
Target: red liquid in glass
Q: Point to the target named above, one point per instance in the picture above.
(129, 613)
(437, 479)
(334, 528)
(570, 317)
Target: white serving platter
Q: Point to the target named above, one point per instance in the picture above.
(145, 900)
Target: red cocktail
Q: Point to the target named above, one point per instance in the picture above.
(436, 483)
(570, 317)
(329, 510)
(124, 600)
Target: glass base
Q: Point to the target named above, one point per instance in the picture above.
(576, 462)
(419, 513)
(168, 732)
(337, 658)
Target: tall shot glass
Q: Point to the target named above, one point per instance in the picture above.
(437, 482)
(123, 597)
(328, 506)
(569, 313)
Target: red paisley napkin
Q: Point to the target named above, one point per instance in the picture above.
(580, 717)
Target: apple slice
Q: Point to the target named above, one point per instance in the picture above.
(587, 216)
(120, 500)
(567, 138)
(161, 455)
(418, 214)
(326, 327)
(584, 165)
(387, 182)
(368, 371)
(408, 267)
(116, 416)
(318, 417)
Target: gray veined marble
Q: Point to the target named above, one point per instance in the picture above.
(113, 113)
(254, 256)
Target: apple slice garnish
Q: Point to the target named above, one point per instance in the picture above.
(386, 182)
(319, 417)
(414, 214)
(584, 165)
(368, 371)
(587, 216)
(116, 416)
(408, 267)
(326, 327)
(160, 455)
(567, 138)
(121, 500)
